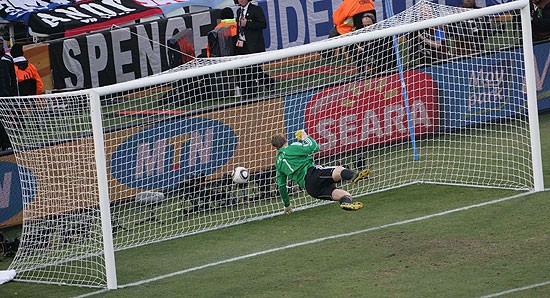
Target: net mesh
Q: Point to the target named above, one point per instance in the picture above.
(441, 105)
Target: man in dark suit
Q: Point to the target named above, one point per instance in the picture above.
(250, 39)
(250, 25)
(8, 87)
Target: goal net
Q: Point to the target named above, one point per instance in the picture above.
(435, 94)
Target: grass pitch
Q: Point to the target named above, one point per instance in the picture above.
(416, 241)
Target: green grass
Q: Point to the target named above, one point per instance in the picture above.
(469, 253)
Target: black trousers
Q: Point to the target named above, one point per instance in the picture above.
(250, 79)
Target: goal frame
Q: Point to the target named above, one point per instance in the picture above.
(95, 95)
(522, 5)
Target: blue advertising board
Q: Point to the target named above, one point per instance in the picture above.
(165, 155)
(542, 74)
(480, 89)
(295, 108)
(11, 195)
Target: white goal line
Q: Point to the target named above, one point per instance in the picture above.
(313, 241)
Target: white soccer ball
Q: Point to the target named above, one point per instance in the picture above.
(240, 175)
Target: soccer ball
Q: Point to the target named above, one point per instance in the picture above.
(240, 175)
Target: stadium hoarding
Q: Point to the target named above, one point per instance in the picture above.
(173, 151)
(480, 88)
(210, 144)
(297, 22)
(69, 17)
(303, 20)
(153, 157)
(120, 55)
(11, 204)
(371, 112)
(480, 95)
(542, 73)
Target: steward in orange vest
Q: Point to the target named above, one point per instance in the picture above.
(28, 79)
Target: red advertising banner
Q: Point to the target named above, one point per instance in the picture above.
(374, 111)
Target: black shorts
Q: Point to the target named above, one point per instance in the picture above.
(319, 182)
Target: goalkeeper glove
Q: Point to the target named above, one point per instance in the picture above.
(288, 209)
(301, 135)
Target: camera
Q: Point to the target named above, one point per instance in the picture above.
(8, 247)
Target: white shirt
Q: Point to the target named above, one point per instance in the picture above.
(244, 10)
(243, 16)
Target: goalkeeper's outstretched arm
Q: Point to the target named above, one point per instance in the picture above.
(283, 191)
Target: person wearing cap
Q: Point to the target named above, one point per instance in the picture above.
(28, 79)
(347, 17)
(368, 19)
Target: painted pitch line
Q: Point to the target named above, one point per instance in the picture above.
(517, 289)
(399, 223)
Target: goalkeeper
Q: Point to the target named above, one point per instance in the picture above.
(295, 162)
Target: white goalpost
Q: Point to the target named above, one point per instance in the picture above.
(435, 94)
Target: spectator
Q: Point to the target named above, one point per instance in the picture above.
(427, 45)
(221, 42)
(368, 19)
(28, 79)
(469, 4)
(468, 35)
(541, 19)
(250, 39)
(467, 41)
(347, 17)
(375, 56)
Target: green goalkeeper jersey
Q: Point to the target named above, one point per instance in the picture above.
(292, 162)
